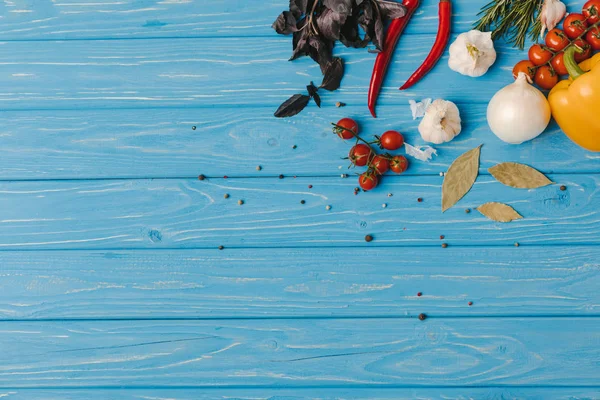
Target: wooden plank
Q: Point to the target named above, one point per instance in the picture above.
(301, 353)
(301, 282)
(194, 214)
(83, 19)
(160, 143)
(216, 72)
(540, 393)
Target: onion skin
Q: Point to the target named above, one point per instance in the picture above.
(519, 112)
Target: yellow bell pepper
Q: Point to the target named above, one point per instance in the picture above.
(575, 103)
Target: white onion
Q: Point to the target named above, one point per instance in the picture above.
(519, 112)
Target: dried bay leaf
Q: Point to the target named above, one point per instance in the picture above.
(460, 178)
(499, 212)
(519, 176)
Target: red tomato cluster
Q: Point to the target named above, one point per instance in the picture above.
(362, 154)
(546, 64)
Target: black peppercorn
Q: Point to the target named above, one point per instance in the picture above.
(369, 238)
(201, 177)
(302, 201)
(281, 176)
(420, 200)
(563, 188)
(221, 247)
(422, 317)
(444, 245)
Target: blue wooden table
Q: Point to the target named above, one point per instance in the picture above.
(112, 285)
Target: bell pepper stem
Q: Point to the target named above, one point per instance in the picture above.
(573, 68)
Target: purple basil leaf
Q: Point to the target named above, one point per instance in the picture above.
(330, 24)
(299, 7)
(377, 33)
(339, 6)
(317, 99)
(292, 106)
(285, 23)
(320, 51)
(312, 89)
(390, 9)
(333, 74)
(300, 44)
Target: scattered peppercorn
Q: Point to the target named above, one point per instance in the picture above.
(384, 205)
(444, 245)
(226, 195)
(468, 210)
(240, 202)
(470, 303)
(441, 174)
(310, 186)
(340, 104)
(419, 294)
(221, 247)
(422, 317)
(517, 244)
(201, 177)
(258, 167)
(302, 201)
(390, 195)
(368, 238)
(563, 188)
(344, 175)
(281, 176)
(442, 237)
(294, 147)
(420, 200)
(194, 127)
(225, 177)
(357, 189)
(328, 208)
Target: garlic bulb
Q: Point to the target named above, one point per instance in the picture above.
(552, 12)
(472, 53)
(518, 112)
(441, 122)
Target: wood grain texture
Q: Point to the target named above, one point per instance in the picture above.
(195, 214)
(126, 19)
(160, 143)
(232, 72)
(299, 283)
(301, 353)
(513, 393)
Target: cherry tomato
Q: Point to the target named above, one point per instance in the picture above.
(399, 164)
(587, 50)
(593, 38)
(368, 181)
(525, 66)
(558, 63)
(343, 128)
(360, 154)
(539, 55)
(381, 164)
(556, 40)
(574, 25)
(391, 140)
(591, 10)
(545, 77)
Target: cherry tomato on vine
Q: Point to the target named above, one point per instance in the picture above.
(391, 140)
(546, 77)
(587, 50)
(525, 66)
(360, 154)
(399, 164)
(556, 40)
(593, 38)
(558, 63)
(368, 181)
(591, 10)
(575, 25)
(381, 164)
(539, 55)
(343, 128)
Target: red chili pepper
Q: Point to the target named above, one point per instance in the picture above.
(383, 58)
(441, 40)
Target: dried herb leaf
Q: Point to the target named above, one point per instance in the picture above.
(339, 6)
(519, 176)
(499, 212)
(299, 7)
(285, 23)
(292, 106)
(320, 51)
(330, 24)
(312, 92)
(333, 74)
(460, 178)
(391, 9)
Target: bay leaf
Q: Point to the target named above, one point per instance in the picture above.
(499, 212)
(519, 176)
(460, 178)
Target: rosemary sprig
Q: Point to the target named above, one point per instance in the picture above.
(512, 19)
